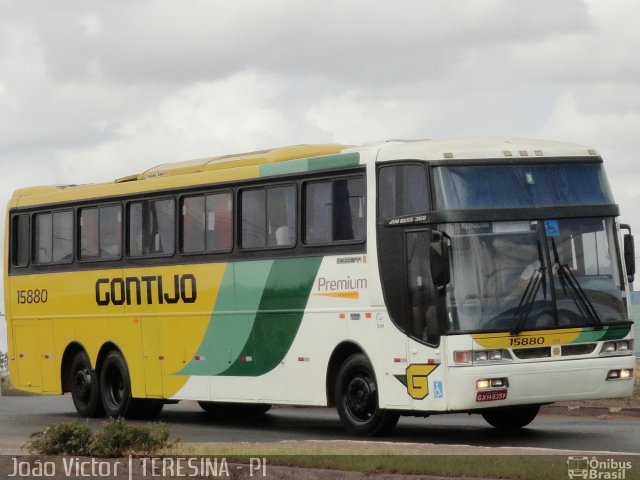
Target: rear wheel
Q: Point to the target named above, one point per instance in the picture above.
(115, 385)
(511, 418)
(85, 390)
(357, 399)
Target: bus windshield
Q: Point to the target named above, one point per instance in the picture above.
(520, 186)
(542, 274)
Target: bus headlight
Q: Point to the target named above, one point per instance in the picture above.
(485, 383)
(487, 355)
(465, 357)
(622, 374)
(480, 356)
(622, 346)
(619, 346)
(495, 354)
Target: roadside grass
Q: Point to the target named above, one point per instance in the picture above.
(385, 460)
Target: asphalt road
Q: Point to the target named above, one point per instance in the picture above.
(20, 416)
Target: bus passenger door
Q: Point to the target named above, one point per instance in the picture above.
(426, 275)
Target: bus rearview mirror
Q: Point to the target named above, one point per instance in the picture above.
(629, 256)
(629, 252)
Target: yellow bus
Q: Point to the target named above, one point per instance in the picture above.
(398, 278)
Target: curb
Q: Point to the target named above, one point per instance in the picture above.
(578, 411)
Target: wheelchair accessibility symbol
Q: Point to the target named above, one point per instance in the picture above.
(438, 390)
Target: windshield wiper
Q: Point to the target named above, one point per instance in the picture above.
(567, 278)
(529, 296)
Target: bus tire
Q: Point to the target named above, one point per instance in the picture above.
(511, 418)
(228, 408)
(144, 408)
(357, 399)
(85, 390)
(115, 385)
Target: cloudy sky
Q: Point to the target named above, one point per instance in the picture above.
(90, 91)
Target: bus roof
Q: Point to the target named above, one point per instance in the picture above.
(190, 172)
(483, 148)
(245, 165)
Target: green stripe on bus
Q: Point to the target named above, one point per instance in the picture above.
(310, 164)
(611, 332)
(233, 317)
(254, 324)
(285, 297)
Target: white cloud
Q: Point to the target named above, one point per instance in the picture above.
(243, 112)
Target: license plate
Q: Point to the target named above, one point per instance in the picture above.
(491, 396)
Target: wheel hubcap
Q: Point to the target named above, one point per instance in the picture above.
(115, 387)
(361, 397)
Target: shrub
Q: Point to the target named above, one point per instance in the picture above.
(4, 364)
(72, 438)
(115, 439)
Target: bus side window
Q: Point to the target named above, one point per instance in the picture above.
(253, 218)
(20, 241)
(193, 224)
(63, 236)
(42, 238)
(281, 216)
(268, 217)
(110, 232)
(89, 225)
(335, 210)
(219, 216)
(206, 223)
(152, 227)
(402, 190)
(53, 237)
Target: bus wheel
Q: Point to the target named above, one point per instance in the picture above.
(115, 385)
(228, 408)
(85, 390)
(357, 399)
(511, 418)
(144, 408)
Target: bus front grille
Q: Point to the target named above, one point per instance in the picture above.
(545, 352)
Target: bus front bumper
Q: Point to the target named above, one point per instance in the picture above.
(490, 386)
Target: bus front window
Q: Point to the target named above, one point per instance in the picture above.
(586, 273)
(514, 276)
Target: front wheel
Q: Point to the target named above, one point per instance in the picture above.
(357, 399)
(85, 391)
(511, 418)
